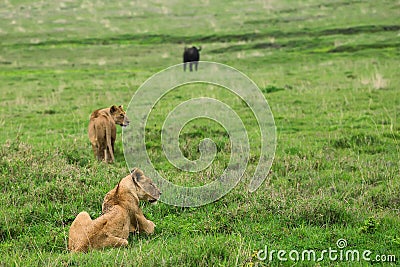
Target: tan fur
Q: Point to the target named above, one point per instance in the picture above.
(102, 131)
(121, 215)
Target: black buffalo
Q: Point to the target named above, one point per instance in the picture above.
(191, 55)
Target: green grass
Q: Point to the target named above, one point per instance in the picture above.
(329, 70)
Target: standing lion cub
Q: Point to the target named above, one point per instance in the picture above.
(120, 215)
(102, 131)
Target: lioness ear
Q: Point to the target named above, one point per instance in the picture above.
(136, 175)
(121, 106)
(113, 109)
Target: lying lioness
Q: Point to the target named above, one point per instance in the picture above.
(102, 131)
(121, 215)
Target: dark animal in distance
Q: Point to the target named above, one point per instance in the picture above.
(191, 55)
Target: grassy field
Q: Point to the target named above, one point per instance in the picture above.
(330, 73)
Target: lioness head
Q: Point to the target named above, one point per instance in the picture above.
(136, 184)
(119, 115)
(146, 189)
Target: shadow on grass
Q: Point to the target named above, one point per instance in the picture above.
(221, 38)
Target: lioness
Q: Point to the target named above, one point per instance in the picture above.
(102, 131)
(120, 215)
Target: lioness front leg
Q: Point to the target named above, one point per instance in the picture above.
(144, 225)
(113, 241)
